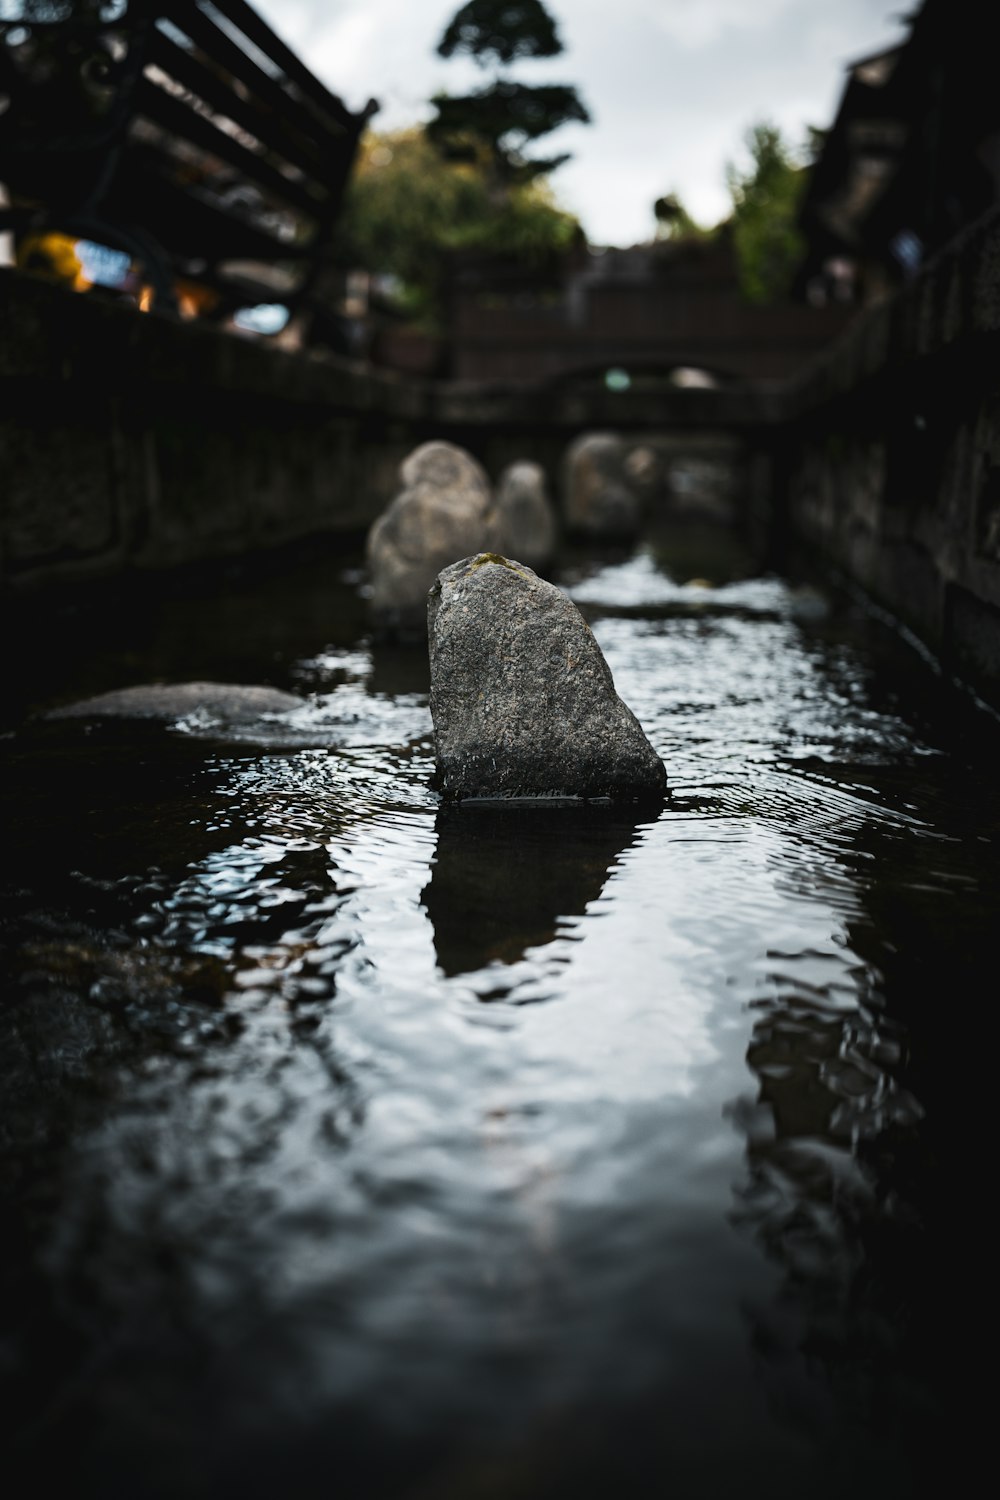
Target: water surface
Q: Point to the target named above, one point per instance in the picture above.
(354, 1145)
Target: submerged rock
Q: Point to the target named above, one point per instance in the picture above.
(522, 699)
(599, 498)
(526, 514)
(443, 512)
(234, 702)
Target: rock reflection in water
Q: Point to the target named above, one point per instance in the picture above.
(503, 878)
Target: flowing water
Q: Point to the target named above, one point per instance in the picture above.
(356, 1146)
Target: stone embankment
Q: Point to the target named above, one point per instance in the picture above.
(133, 444)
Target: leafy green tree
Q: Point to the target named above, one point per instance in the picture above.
(465, 182)
(407, 209)
(498, 124)
(765, 197)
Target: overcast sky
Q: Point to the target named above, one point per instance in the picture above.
(672, 85)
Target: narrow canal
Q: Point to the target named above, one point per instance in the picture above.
(352, 1147)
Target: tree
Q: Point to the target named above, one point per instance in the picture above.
(763, 224)
(497, 124)
(465, 182)
(502, 30)
(673, 222)
(407, 208)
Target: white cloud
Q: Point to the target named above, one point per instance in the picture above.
(672, 84)
(694, 24)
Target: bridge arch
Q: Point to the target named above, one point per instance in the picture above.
(643, 373)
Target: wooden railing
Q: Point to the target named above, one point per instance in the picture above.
(183, 135)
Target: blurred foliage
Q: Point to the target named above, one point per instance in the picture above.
(407, 208)
(495, 125)
(502, 121)
(464, 182)
(673, 222)
(501, 31)
(766, 196)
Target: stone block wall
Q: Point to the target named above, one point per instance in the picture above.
(131, 443)
(139, 442)
(891, 456)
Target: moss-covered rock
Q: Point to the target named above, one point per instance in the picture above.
(522, 698)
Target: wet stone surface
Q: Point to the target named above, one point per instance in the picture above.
(523, 702)
(356, 1143)
(193, 702)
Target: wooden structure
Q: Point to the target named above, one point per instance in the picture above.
(912, 157)
(182, 134)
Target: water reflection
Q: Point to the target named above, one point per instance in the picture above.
(841, 1345)
(292, 1207)
(864, 1114)
(503, 878)
(398, 670)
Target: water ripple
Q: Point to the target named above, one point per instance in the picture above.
(326, 1100)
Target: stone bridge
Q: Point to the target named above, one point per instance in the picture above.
(645, 311)
(135, 443)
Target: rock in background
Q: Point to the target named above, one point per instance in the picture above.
(528, 528)
(645, 472)
(444, 511)
(599, 498)
(522, 699)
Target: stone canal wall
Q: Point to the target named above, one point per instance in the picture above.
(889, 460)
(132, 442)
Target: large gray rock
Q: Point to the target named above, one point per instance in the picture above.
(233, 702)
(526, 514)
(443, 511)
(599, 499)
(522, 699)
